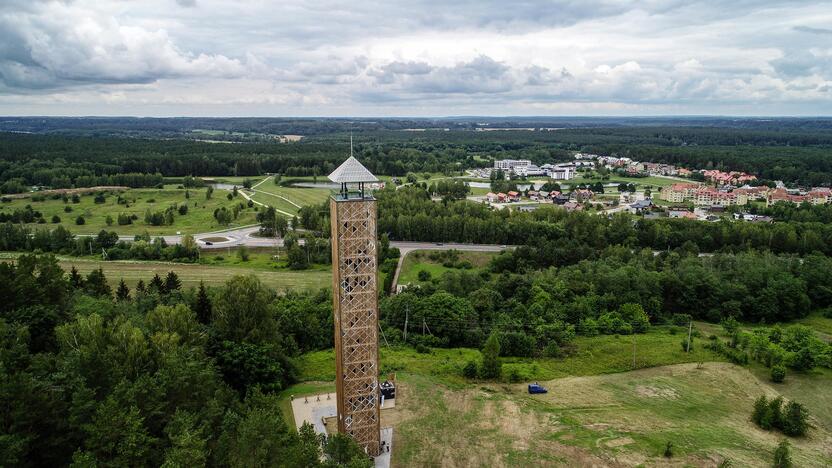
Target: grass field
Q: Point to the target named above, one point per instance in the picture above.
(600, 410)
(200, 216)
(191, 274)
(418, 260)
(623, 419)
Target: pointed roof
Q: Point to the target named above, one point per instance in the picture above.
(352, 171)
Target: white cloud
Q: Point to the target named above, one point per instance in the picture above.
(322, 57)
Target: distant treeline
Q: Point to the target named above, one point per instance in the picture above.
(556, 237)
(799, 152)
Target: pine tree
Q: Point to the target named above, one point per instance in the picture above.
(203, 305)
(75, 279)
(172, 282)
(96, 284)
(156, 285)
(140, 288)
(123, 292)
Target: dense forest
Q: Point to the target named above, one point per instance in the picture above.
(158, 376)
(798, 151)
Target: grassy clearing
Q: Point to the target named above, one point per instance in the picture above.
(419, 260)
(192, 274)
(200, 216)
(597, 413)
(592, 356)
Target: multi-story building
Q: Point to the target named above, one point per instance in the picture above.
(561, 171)
(712, 197)
(679, 193)
(510, 164)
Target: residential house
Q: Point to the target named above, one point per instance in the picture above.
(513, 196)
(491, 197)
(641, 206)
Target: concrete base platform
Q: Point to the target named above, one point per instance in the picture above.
(314, 409)
(321, 412)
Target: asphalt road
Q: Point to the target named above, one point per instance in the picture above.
(245, 236)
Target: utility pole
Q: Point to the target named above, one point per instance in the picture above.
(382, 335)
(406, 314)
(690, 330)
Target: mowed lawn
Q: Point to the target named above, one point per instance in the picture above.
(199, 218)
(301, 196)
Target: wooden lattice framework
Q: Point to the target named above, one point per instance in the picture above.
(355, 307)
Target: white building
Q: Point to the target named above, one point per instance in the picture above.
(529, 170)
(510, 164)
(561, 171)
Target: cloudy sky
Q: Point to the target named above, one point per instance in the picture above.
(417, 58)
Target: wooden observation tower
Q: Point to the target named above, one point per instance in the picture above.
(355, 304)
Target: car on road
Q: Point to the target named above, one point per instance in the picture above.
(209, 243)
(440, 244)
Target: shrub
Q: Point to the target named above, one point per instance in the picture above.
(56, 219)
(514, 375)
(99, 198)
(423, 275)
(491, 365)
(242, 252)
(67, 209)
(588, 327)
(794, 420)
(183, 209)
(668, 449)
(782, 458)
(773, 415)
(422, 349)
(827, 312)
(687, 345)
(470, 370)
(778, 373)
(552, 350)
(80, 221)
(681, 319)
(760, 408)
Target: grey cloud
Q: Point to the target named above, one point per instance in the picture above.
(186, 3)
(46, 48)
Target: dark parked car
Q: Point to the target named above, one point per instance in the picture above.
(537, 388)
